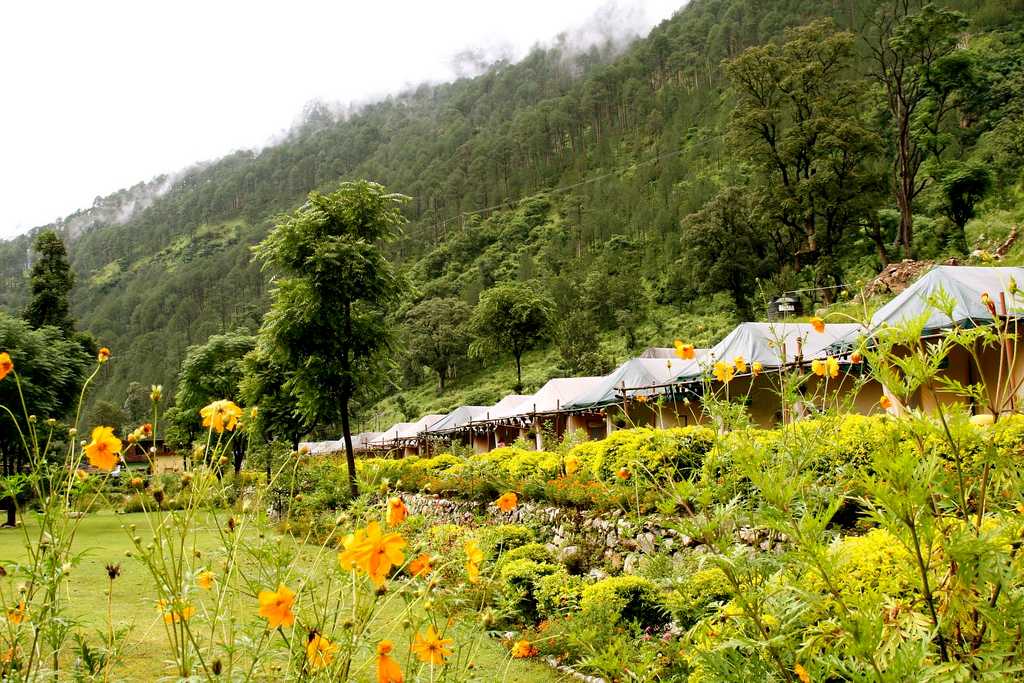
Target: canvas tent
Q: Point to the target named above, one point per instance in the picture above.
(636, 372)
(659, 352)
(322, 447)
(459, 419)
(774, 345)
(550, 398)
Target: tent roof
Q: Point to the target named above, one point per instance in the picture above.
(391, 433)
(459, 417)
(361, 441)
(635, 372)
(964, 285)
(764, 342)
(551, 398)
(659, 352)
(413, 429)
(322, 447)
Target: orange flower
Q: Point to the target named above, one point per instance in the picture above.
(623, 474)
(276, 606)
(397, 511)
(103, 450)
(474, 556)
(18, 614)
(432, 648)
(987, 301)
(348, 557)
(205, 580)
(818, 324)
(885, 402)
(174, 615)
(507, 502)
(802, 674)
(723, 372)
(378, 553)
(420, 566)
(147, 429)
(103, 355)
(685, 351)
(756, 368)
(640, 398)
(221, 415)
(523, 649)
(319, 651)
(6, 364)
(388, 670)
(856, 358)
(572, 464)
(741, 364)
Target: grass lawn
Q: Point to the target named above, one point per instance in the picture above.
(103, 541)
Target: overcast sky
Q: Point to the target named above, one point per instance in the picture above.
(100, 95)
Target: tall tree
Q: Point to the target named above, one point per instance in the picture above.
(329, 319)
(797, 122)
(909, 42)
(511, 317)
(50, 282)
(436, 335)
(50, 372)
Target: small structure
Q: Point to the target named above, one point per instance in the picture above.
(457, 425)
(164, 460)
(544, 410)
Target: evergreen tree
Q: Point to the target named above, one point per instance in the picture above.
(51, 281)
(511, 317)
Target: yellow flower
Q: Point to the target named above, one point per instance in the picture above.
(829, 366)
(420, 565)
(572, 464)
(740, 363)
(378, 553)
(205, 580)
(685, 351)
(507, 502)
(818, 324)
(6, 364)
(319, 651)
(640, 398)
(802, 674)
(276, 606)
(523, 649)
(103, 355)
(431, 648)
(756, 368)
(388, 670)
(221, 415)
(474, 556)
(103, 450)
(397, 511)
(723, 372)
(18, 614)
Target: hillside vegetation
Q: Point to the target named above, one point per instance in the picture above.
(658, 191)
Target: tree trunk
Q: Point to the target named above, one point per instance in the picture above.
(519, 372)
(12, 512)
(350, 457)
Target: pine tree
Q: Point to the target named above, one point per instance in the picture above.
(51, 281)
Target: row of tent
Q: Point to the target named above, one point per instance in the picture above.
(660, 389)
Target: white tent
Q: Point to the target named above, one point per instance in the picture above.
(551, 398)
(322, 447)
(458, 419)
(635, 372)
(413, 430)
(774, 345)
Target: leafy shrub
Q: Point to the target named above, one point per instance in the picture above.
(514, 463)
(690, 601)
(873, 564)
(537, 552)
(663, 453)
(495, 540)
(630, 599)
(518, 585)
(558, 594)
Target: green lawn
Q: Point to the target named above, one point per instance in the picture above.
(103, 541)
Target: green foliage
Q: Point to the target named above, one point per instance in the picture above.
(661, 454)
(501, 538)
(437, 335)
(698, 595)
(511, 317)
(536, 552)
(625, 599)
(519, 580)
(329, 319)
(558, 594)
(50, 283)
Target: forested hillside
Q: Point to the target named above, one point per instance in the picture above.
(650, 191)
